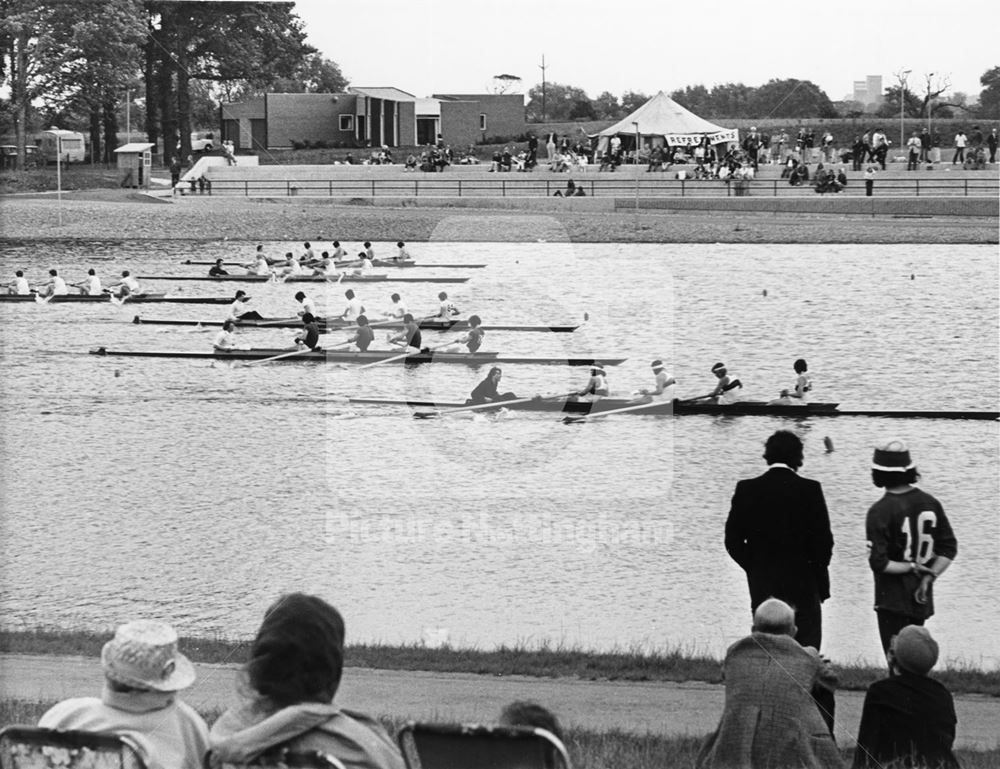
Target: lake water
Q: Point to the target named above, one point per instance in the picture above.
(199, 492)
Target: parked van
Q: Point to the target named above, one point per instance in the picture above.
(54, 140)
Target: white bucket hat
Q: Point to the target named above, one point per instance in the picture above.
(143, 654)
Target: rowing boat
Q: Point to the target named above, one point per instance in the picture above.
(304, 279)
(132, 299)
(375, 263)
(334, 324)
(676, 408)
(372, 356)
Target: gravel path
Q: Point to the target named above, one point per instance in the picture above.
(659, 708)
(113, 214)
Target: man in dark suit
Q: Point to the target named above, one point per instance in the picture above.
(778, 531)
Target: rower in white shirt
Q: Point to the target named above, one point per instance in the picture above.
(307, 304)
(238, 309)
(19, 285)
(339, 253)
(402, 255)
(354, 307)
(126, 286)
(664, 390)
(260, 266)
(290, 266)
(596, 387)
(91, 286)
(369, 251)
(727, 389)
(364, 265)
(226, 339)
(446, 309)
(55, 287)
(398, 309)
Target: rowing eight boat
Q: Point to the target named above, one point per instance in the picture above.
(376, 263)
(372, 356)
(303, 279)
(677, 408)
(133, 299)
(334, 324)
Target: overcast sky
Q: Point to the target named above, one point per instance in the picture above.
(456, 46)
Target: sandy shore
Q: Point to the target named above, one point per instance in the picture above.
(658, 708)
(113, 214)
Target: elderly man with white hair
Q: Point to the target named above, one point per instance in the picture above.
(143, 671)
(770, 719)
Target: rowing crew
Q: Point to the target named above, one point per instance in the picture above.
(89, 286)
(309, 264)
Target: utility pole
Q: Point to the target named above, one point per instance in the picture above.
(542, 67)
(901, 75)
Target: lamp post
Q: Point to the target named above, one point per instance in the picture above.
(636, 169)
(930, 106)
(902, 104)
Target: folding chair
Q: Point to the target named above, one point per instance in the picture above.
(283, 758)
(31, 747)
(472, 746)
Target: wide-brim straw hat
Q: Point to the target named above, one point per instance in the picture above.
(143, 654)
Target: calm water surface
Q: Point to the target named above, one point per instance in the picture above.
(199, 492)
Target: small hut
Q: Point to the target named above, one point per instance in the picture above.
(135, 162)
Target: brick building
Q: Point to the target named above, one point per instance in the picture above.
(369, 117)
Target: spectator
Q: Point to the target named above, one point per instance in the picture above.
(858, 152)
(769, 719)
(925, 146)
(842, 177)
(143, 671)
(910, 543)
(960, 142)
(913, 146)
(869, 181)
(292, 677)
(411, 163)
(991, 142)
(976, 137)
(532, 151)
(908, 719)
(175, 171)
(880, 146)
(572, 191)
(751, 144)
(778, 531)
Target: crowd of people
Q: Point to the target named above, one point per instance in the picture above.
(779, 708)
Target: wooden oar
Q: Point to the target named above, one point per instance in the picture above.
(404, 355)
(279, 357)
(585, 417)
(483, 406)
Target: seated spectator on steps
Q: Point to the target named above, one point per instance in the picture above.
(908, 719)
(291, 680)
(769, 718)
(572, 191)
(143, 672)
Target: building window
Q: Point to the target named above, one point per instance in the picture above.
(482, 122)
(347, 122)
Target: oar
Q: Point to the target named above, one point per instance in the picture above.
(482, 406)
(585, 417)
(43, 299)
(278, 357)
(404, 355)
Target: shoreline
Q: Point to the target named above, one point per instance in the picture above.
(670, 666)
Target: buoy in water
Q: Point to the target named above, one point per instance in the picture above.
(764, 292)
(117, 373)
(828, 443)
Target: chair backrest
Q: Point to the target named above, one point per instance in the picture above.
(473, 746)
(283, 758)
(31, 747)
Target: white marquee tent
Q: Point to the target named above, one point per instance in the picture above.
(661, 121)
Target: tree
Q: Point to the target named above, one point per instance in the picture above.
(504, 83)
(559, 101)
(583, 109)
(632, 100)
(789, 98)
(315, 75)
(890, 104)
(934, 86)
(607, 107)
(989, 98)
(693, 97)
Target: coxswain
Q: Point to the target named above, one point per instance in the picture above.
(472, 339)
(19, 286)
(803, 381)
(127, 286)
(91, 285)
(410, 335)
(308, 305)
(339, 252)
(309, 335)
(226, 339)
(446, 309)
(364, 336)
(398, 309)
(726, 391)
(238, 310)
(216, 269)
(55, 287)
(664, 390)
(354, 307)
(487, 390)
(307, 254)
(402, 255)
(596, 387)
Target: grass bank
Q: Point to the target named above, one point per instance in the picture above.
(672, 665)
(588, 749)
